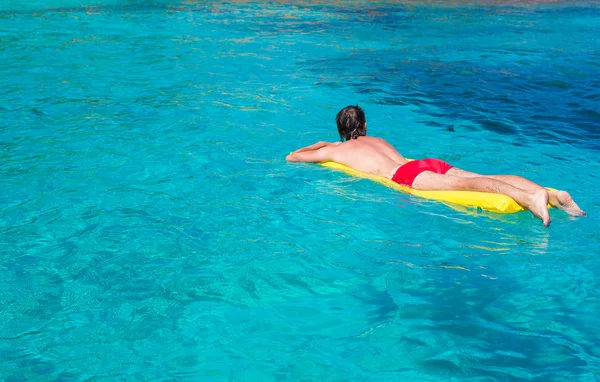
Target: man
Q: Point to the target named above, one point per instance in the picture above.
(376, 156)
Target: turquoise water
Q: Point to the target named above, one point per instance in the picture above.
(151, 229)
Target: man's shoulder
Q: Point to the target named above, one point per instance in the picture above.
(374, 140)
(378, 139)
(361, 143)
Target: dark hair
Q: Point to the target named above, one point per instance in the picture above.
(351, 122)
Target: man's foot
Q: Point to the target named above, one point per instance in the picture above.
(562, 200)
(538, 205)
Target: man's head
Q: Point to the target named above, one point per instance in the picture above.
(351, 123)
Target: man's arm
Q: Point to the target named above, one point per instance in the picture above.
(316, 146)
(321, 154)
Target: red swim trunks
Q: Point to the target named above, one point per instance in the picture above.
(406, 174)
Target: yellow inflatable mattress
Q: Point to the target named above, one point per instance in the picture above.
(486, 201)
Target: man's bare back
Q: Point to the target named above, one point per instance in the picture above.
(370, 155)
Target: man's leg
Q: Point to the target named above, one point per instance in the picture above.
(535, 201)
(559, 199)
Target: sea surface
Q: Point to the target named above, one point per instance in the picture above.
(151, 229)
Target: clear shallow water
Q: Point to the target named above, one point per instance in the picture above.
(150, 227)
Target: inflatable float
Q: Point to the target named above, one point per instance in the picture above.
(486, 201)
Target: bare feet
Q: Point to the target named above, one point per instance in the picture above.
(538, 205)
(562, 200)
